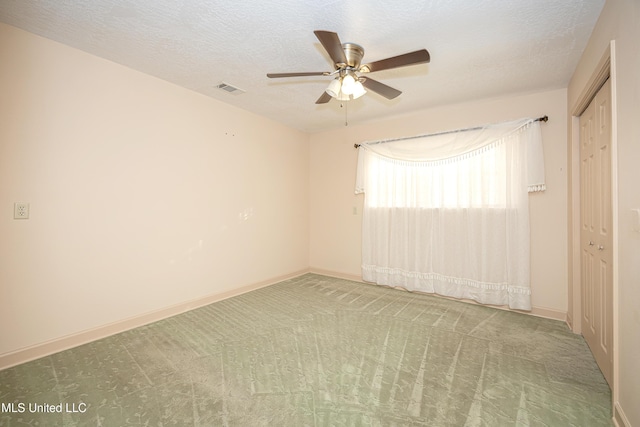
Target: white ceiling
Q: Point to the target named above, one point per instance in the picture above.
(479, 49)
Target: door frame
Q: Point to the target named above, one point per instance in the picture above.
(606, 68)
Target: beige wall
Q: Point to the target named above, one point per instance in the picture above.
(620, 21)
(142, 194)
(335, 231)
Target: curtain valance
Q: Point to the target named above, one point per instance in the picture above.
(448, 147)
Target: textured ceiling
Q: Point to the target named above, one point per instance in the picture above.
(478, 49)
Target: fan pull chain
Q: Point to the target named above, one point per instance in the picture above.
(346, 111)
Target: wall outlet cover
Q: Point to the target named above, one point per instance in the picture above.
(20, 210)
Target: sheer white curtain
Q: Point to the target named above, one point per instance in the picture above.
(449, 213)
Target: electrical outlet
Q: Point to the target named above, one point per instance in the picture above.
(20, 210)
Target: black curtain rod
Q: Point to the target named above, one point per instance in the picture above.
(539, 119)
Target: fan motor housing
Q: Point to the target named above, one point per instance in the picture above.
(354, 53)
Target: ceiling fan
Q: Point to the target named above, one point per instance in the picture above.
(348, 83)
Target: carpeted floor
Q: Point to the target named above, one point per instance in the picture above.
(319, 351)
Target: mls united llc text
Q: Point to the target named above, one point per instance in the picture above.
(22, 407)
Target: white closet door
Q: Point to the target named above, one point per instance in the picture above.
(596, 235)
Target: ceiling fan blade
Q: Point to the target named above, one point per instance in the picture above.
(278, 75)
(324, 98)
(411, 58)
(380, 88)
(331, 43)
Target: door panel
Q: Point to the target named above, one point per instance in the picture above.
(595, 234)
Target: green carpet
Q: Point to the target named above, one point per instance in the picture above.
(319, 351)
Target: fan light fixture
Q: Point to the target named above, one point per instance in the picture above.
(358, 90)
(345, 88)
(348, 84)
(334, 87)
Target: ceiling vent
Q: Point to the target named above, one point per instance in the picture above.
(228, 88)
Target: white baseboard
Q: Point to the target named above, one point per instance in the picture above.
(47, 348)
(570, 321)
(619, 418)
(547, 313)
(352, 277)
